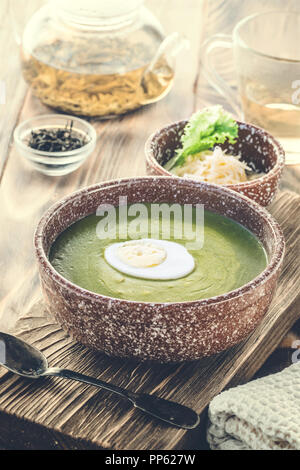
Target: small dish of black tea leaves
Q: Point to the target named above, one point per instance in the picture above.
(55, 144)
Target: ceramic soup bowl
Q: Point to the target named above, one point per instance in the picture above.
(163, 332)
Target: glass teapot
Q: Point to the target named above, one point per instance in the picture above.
(98, 58)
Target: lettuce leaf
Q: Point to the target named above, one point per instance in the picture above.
(205, 129)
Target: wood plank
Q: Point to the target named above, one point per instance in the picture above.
(26, 194)
(80, 414)
(119, 152)
(10, 71)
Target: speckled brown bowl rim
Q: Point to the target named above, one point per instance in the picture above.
(273, 264)
(277, 169)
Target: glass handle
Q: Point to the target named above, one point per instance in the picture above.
(162, 67)
(219, 41)
(169, 49)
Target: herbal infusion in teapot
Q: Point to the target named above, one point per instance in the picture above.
(101, 65)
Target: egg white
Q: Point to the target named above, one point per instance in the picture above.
(178, 263)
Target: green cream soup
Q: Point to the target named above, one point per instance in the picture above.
(231, 257)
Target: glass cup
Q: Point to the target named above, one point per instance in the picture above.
(267, 64)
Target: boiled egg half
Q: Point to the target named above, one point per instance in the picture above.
(150, 259)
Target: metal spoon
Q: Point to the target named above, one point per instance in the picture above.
(25, 360)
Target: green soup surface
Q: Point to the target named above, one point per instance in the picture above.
(230, 258)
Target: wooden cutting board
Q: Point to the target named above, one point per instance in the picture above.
(54, 414)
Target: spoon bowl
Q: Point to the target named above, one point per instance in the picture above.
(22, 358)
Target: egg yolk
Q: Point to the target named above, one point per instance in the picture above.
(141, 255)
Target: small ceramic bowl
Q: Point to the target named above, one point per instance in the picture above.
(257, 147)
(55, 163)
(163, 332)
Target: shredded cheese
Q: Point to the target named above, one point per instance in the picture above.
(214, 167)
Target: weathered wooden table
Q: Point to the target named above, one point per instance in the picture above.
(25, 194)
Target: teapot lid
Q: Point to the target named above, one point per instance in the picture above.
(95, 9)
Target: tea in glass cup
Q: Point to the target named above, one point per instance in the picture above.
(267, 64)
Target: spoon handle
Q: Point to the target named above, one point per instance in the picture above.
(165, 410)
(71, 375)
